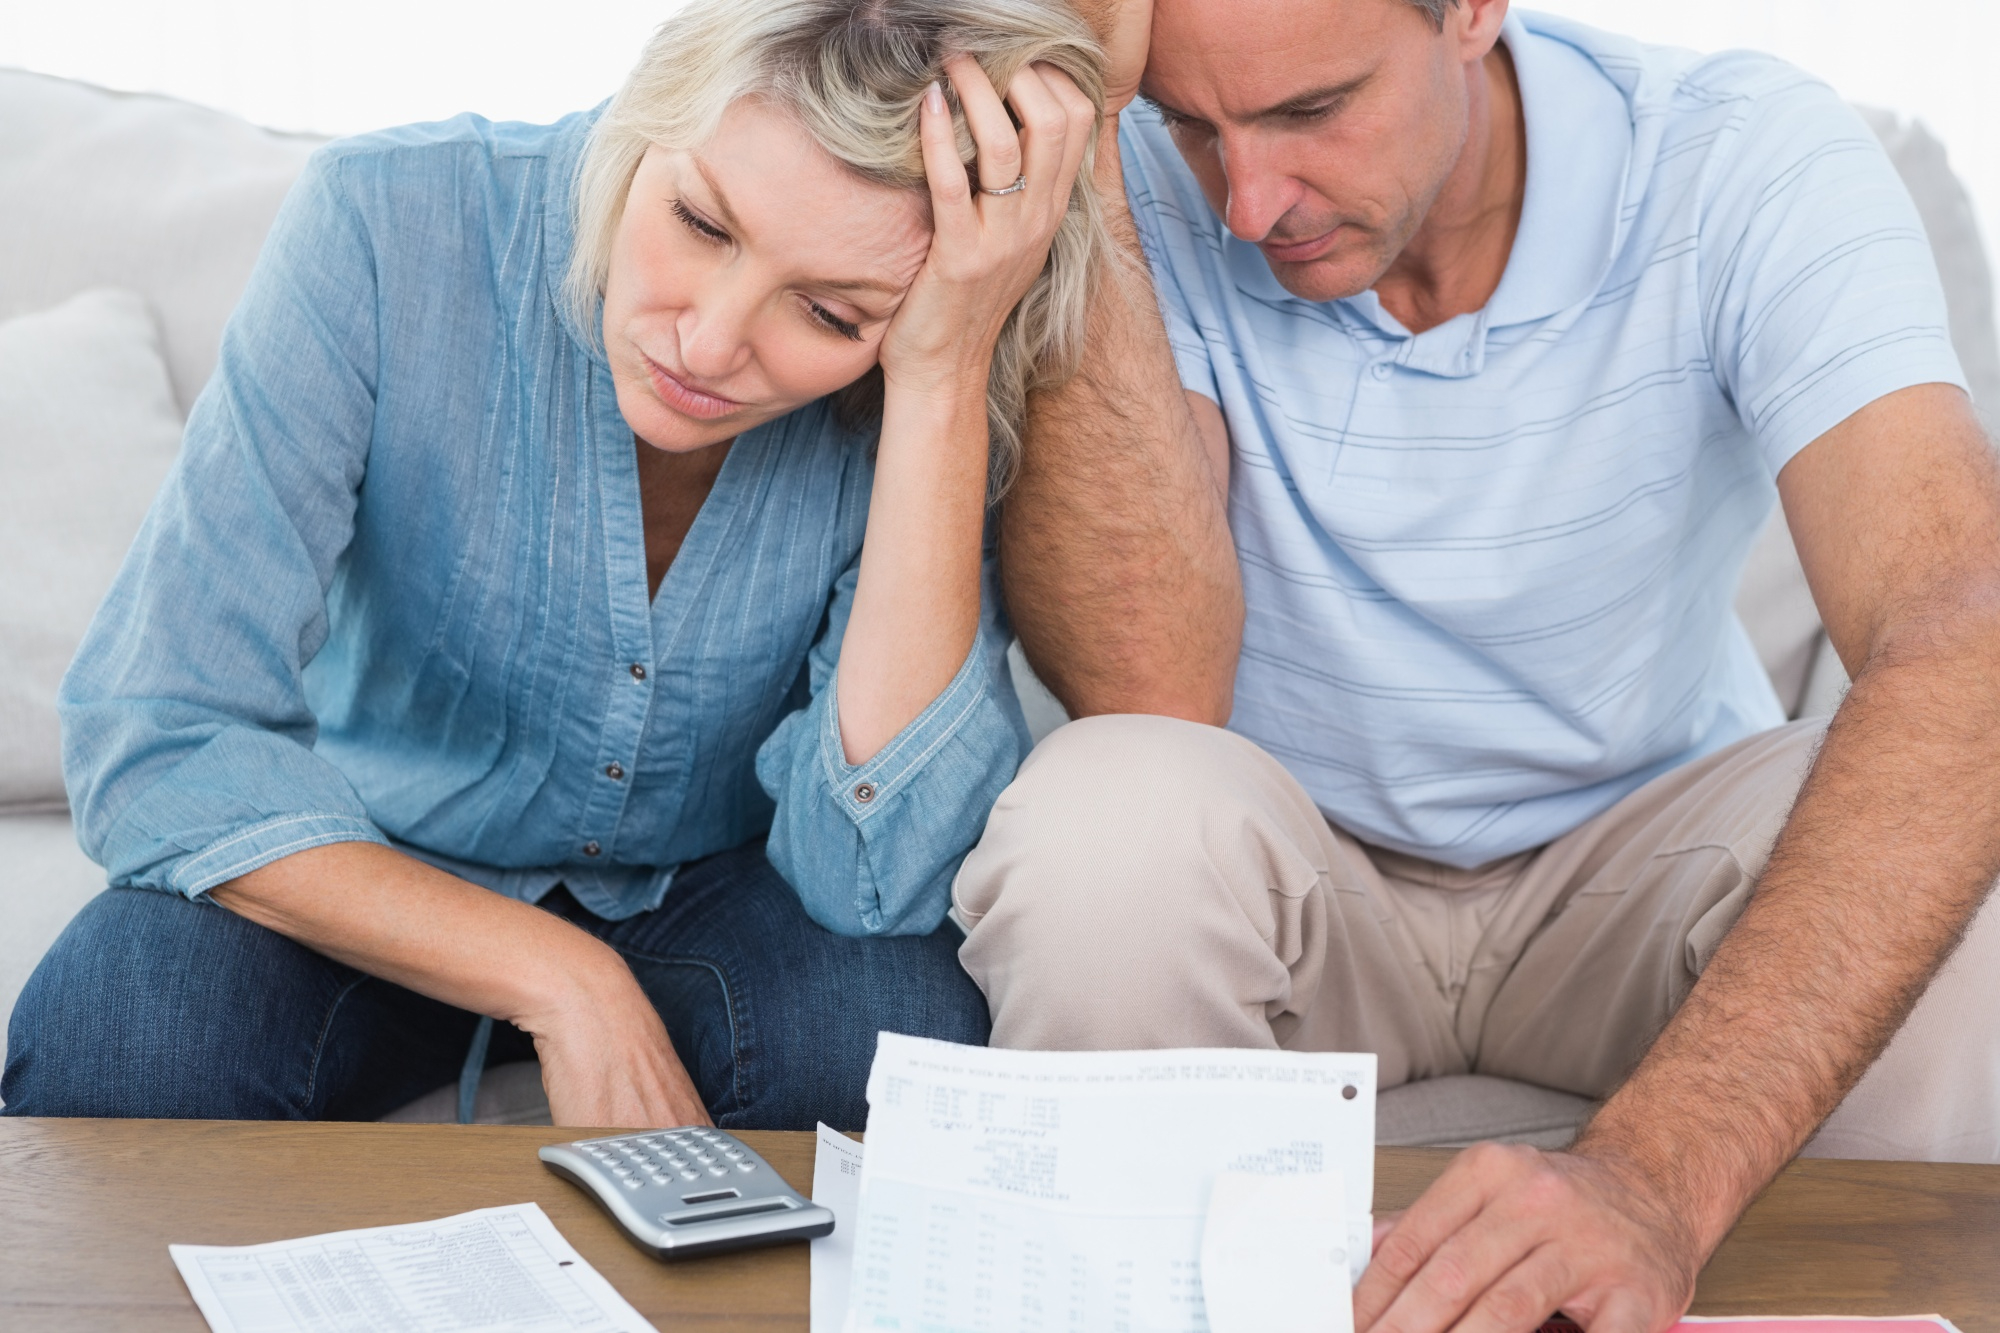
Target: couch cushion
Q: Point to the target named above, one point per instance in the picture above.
(1437, 1113)
(1953, 228)
(1471, 1108)
(48, 881)
(509, 1094)
(111, 189)
(88, 428)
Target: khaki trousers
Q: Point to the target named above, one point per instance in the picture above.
(1147, 882)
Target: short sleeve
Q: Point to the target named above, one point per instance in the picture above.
(1819, 290)
(1176, 230)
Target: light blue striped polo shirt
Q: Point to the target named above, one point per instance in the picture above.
(1490, 567)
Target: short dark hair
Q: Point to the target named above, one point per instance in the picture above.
(1435, 8)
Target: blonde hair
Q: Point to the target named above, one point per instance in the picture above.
(853, 72)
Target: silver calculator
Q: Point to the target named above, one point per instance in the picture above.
(679, 1193)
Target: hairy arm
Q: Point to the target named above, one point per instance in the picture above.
(1891, 848)
(606, 1058)
(1119, 570)
(1895, 840)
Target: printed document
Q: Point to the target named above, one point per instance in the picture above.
(1021, 1191)
(480, 1272)
(837, 1188)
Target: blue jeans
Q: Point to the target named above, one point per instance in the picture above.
(152, 1005)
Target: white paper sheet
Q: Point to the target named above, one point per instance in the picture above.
(480, 1272)
(837, 1186)
(1274, 1255)
(1016, 1191)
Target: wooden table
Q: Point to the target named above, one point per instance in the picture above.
(87, 1209)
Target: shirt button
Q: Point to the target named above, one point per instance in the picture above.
(1382, 369)
(591, 849)
(865, 792)
(638, 671)
(616, 772)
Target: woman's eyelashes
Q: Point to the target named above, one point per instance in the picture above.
(715, 235)
(833, 323)
(698, 224)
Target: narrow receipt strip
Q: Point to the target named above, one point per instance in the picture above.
(493, 1269)
(1274, 1255)
(836, 1186)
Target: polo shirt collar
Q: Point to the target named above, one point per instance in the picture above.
(1579, 158)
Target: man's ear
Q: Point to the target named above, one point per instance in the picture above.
(1475, 24)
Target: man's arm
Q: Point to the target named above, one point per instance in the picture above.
(1890, 850)
(1116, 559)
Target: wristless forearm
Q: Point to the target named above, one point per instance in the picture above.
(1119, 570)
(396, 918)
(917, 604)
(1889, 852)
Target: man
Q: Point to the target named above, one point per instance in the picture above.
(1498, 336)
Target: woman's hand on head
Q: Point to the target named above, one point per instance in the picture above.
(986, 249)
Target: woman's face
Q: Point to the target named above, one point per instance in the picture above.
(749, 279)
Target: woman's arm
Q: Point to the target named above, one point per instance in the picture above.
(916, 609)
(606, 1058)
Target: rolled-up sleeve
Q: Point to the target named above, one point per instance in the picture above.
(187, 738)
(872, 848)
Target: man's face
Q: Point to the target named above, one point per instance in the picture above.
(1320, 130)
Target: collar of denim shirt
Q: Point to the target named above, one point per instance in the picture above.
(559, 232)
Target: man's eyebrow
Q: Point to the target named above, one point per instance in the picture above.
(1298, 104)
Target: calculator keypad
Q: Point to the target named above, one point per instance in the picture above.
(672, 1158)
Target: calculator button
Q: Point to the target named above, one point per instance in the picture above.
(690, 1175)
(732, 1153)
(746, 1166)
(718, 1170)
(633, 1184)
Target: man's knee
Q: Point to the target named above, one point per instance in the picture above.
(141, 1009)
(1113, 816)
(1144, 876)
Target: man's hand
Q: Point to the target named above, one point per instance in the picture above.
(1509, 1235)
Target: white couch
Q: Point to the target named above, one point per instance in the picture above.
(171, 201)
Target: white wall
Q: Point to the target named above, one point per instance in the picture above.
(1932, 59)
(342, 65)
(339, 66)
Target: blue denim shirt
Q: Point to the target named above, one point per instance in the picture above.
(394, 591)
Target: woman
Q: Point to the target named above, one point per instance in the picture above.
(568, 605)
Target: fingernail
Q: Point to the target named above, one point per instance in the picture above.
(934, 96)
